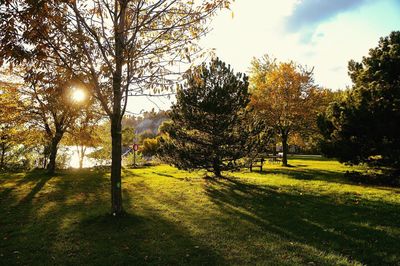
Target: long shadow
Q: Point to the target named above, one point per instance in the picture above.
(35, 211)
(66, 223)
(309, 174)
(19, 179)
(139, 240)
(309, 158)
(36, 180)
(357, 230)
(40, 180)
(162, 174)
(323, 175)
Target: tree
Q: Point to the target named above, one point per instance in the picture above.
(147, 134)
(363, 126)
(128, 136)
(103, 141)
(102, 153)
(124, 46)
(150, 146)
(308, 140)
(284, 97)
(207, 122)
(11, 120)
(82, 133)
(49, 105)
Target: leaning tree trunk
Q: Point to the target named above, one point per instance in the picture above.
(51, 167)
(284, 148)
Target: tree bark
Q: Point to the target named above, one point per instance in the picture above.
(284, 148)
(116, 191)
(51, 167)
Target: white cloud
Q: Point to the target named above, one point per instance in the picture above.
(258, 27)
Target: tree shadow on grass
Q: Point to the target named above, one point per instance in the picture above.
(11, 198)
(40, 180)
(329, 176)
(360, 231)
(138, 240)
(163, 174)
(35, 209)
(309, 174)
(64, 221)
(310, 158)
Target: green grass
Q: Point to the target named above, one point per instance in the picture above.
(302, 215)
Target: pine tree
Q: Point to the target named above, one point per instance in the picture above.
(364, 127)
(208, 129)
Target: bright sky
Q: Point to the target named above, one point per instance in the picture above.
(324, 34)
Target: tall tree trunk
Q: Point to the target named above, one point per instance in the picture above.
(284, 135)
(51, 167)
(116, 116)
(116, 191)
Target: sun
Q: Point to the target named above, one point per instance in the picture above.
(78, 95)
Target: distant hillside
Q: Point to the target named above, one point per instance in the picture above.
(148, 122)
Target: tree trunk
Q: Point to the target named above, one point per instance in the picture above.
(51, 167)
(80, 162)
(3, 154)
(274, 147)
(216, 168)
(116, 191)
(217, 172)
(284, 148)
(81, 154)
(116, 116)
(45, 156)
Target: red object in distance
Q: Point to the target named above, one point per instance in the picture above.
(135, 147)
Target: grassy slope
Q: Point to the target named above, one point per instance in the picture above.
(305, 214)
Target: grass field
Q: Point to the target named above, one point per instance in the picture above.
(306, 214)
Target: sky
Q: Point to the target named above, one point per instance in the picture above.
(319, 34)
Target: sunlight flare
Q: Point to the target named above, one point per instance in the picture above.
(78, 95)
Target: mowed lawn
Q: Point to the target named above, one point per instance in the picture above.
(303, 215)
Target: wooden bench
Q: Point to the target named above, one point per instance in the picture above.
(260, 161)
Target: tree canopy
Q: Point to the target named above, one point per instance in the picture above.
(364, 126)
(12, 131)
(285, 97)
